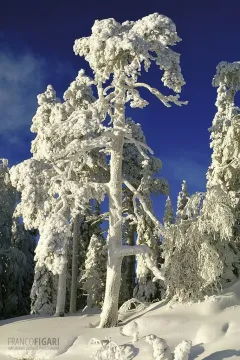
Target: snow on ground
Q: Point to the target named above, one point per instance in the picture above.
(213, 326)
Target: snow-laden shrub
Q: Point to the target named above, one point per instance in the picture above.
(131, 329)
(139, 306)
(182, 350)
(109, 350)
(161, 350)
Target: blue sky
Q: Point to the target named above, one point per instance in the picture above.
(37, 37)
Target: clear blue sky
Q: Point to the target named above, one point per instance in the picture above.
(36, 50)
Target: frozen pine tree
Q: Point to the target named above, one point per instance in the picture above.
(182, 202)
(46, 178)
(144, 175)
(32, 179)
(16, 253)
(94, 275)
(25, 241)
(72, 137)
(168, 218)
(43, 297)
(7, 205)
(193, 249)
(115, 53)
(191, 266)
(224, 169)
(146, 289)
(88, 225)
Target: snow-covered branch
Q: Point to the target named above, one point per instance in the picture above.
(158, 273)
(165, 99)
(137, 194)
(139, 145)
(126, 250)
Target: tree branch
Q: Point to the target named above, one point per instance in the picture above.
(165, 99)
(145, 251)
(139, 145)
(158, 273)
(145, 208)
(126, 250)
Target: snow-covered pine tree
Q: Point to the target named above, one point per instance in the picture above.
(121, 50)
(205, 248)
(192, 248)
(24, 241)
(132, 170)
(182, 200)
(7, 205)
(224, 169)
(146, 289)
(55, 203)
(93, 276)
(117, 60)
(168, 218)
(87, 226)
(181, 248)
(32, 178)
(138, 172)
(16, 253)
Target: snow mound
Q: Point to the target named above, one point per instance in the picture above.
(216, 304)
(208, 333)
(212, 326)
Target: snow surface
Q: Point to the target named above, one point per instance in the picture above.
(213, 326)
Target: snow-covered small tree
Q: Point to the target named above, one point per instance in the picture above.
(182, 200)
(182, 350)
(161, 349)
(168, 218)
(94, 274)
(181, 246)
(193, 265)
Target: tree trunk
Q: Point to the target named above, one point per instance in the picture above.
(73, 296)
(130, 263)
(61, 294)
(109, 316)
(128, 267)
